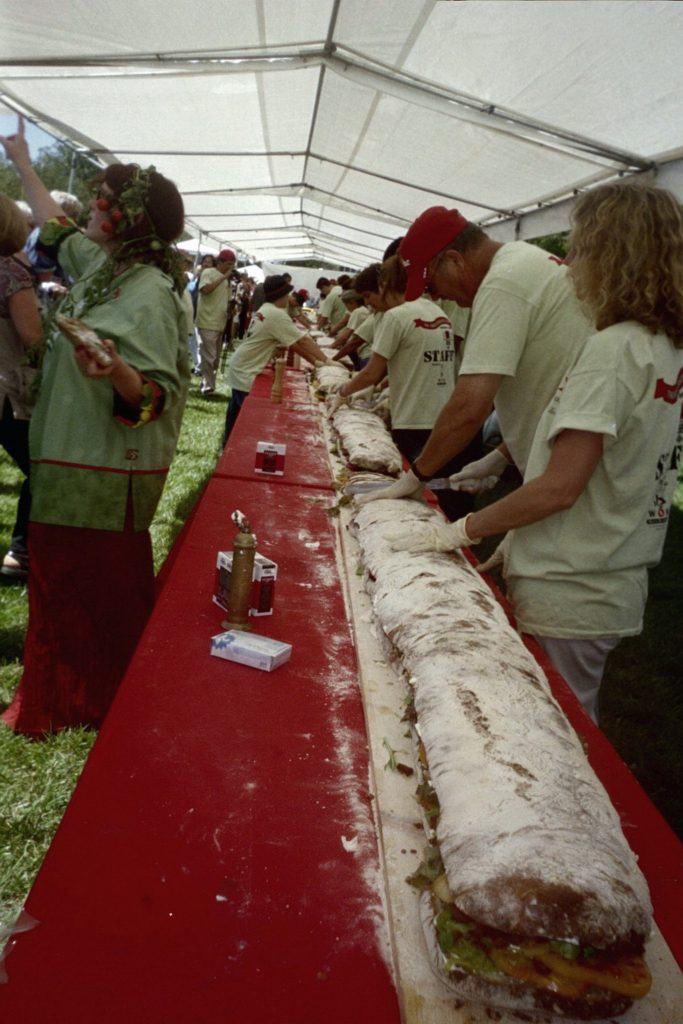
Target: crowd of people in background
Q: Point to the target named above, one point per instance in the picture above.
(579, 362)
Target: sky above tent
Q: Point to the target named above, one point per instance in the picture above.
(321, 128)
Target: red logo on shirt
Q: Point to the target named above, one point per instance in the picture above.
(670, 392)
(431, 325)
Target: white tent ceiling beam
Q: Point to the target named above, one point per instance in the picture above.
(407, 184)
(296, 229)
(327, 50)
(356, 66)
(348, 226)
(552, 217)
(303, 190)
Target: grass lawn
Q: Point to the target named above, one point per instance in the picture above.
(641, 708)
(37, 779)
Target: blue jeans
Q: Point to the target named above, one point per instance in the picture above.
(236, 402)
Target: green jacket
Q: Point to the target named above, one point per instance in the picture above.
(87, 449)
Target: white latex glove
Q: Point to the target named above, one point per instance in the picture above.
(434, 536)
(365, 393)
(335, 402)
(499, 557)
(407, 486)
(479, 476)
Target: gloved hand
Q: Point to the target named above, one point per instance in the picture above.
(479, 476)
(434, 536)
(498, 558)
(365, 393)
(335, 402)
(407, 486)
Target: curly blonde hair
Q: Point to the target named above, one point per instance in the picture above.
(627, 261)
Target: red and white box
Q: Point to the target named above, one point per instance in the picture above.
(270, 458)
(262, 586)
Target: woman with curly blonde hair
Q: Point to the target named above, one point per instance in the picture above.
(591, 516)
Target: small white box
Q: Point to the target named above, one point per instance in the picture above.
(250, 649)
(263, 583)
(270, 458)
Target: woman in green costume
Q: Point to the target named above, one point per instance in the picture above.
(102, 439)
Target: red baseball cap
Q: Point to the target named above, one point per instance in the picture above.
(428, 235)
(227, 254)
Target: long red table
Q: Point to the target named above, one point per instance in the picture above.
(205, 869)
(200, 873)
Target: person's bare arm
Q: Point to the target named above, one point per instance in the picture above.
(206, 289)
(574, 457)
(307, 348)
(371, 374)
(38, 197)
(339, 325)
(342, 337)
(352, 345)
(25, 317)
(459, 420)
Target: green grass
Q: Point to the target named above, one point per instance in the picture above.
(37, 779)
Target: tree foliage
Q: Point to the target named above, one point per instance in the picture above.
(557, 244)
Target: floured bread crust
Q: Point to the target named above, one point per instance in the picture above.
(366, 440)
(530, 841)
(329, 377)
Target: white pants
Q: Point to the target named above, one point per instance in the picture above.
(581, 661)
(209, 356)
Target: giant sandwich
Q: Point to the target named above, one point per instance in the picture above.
(531, 898)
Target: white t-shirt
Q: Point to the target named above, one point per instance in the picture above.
(332, 306)
(583, 572)
(528, 325)
(366, 331)
(212, 309)
(358, 317)
(270, 328)
(416, 339)
(458, 316)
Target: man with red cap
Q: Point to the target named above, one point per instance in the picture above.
(215, 293)
(526, 330)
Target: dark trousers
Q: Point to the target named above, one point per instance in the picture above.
(454, 504)
(236, 402)
(14, 439)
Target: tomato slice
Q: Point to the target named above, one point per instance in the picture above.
(518, 965)
(628, 976)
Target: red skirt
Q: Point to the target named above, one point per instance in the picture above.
(90, 595)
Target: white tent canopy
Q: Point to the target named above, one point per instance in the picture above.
(321, 128)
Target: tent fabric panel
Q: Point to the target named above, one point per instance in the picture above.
(199, 112)
(440, 153)
(386, 34)
(198, 204)
(80, 28)
(585, 67)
